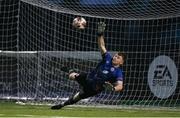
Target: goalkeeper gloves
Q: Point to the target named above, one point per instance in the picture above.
(108, 86)
(101, 28)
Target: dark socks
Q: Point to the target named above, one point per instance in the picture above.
(72, 100)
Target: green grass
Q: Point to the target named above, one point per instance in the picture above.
(10, 109)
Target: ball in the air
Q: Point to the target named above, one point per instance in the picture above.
(79, 23)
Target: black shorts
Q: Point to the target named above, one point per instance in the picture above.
(87, 85)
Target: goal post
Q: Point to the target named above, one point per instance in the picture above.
(45, 41)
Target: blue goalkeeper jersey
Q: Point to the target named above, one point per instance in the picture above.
(105, 71)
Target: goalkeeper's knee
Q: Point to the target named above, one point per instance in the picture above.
(73, 75)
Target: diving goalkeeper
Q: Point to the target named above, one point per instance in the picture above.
(107, 75)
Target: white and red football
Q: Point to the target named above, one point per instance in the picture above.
(79, 23)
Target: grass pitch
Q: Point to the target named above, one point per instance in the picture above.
(10, 109)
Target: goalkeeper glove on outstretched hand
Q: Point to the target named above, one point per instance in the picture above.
(101, 28)
(108, 86)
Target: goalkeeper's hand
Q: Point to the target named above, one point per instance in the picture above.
(108, 86)
(101, 28)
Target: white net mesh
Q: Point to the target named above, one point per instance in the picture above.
(147, 30)
(8, 41)
(116, 9)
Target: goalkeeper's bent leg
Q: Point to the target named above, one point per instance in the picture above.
(78, 96)
(73, 75)
(74, 99)
(70, 101)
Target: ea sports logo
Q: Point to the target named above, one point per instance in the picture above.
(162, 77)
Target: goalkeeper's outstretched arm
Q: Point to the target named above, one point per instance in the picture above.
(101, 44)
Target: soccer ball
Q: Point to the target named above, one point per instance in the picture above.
(79, 23)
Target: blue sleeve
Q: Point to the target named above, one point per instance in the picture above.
(119, 75)
(106, 56)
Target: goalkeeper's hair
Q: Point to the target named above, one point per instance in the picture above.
(123, 55)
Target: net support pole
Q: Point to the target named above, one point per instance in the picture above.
(18, 50)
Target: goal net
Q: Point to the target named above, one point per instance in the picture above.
(38, 39)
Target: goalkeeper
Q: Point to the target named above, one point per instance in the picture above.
(107, 75)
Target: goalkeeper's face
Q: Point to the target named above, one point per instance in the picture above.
(117, 60)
